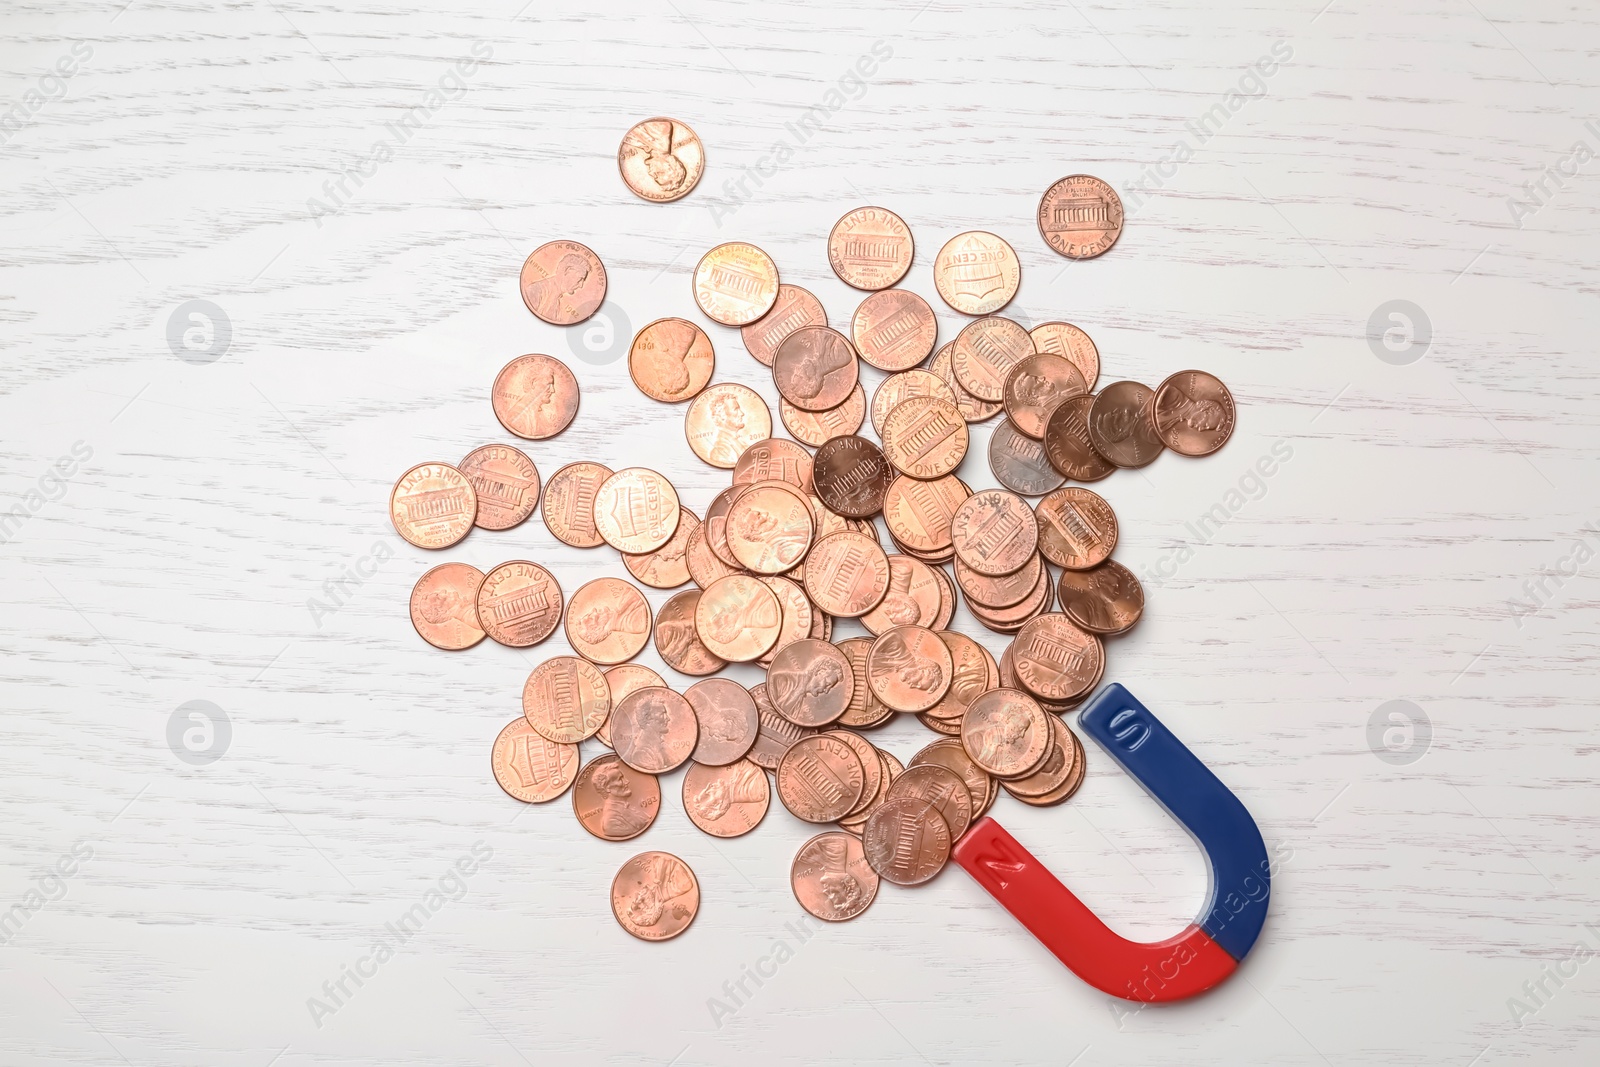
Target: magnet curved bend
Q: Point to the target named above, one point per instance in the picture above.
(1205, 953)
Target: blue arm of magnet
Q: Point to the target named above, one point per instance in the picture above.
(1241, 882)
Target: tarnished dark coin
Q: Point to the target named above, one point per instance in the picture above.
(1067, 445)
(1019, 462)
(1122, 425)
(851, 476)
(1192, 410)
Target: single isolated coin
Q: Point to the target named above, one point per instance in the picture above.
(925, 437)
(894, 329)
(831, 878)
(444, 606)
(728, 721)
(653, 729)
(906, 841)
(531, 768)
(535, 396)
(1054, 660)
(977, 273)
(655, 896)
(1106, 599)
(738, 618)
(820, 778)
(519, 604)
(726, 801)
(507, 484)
(433, 505)
(671, 360)
(1077, 528)
(636, 510)
(1005, 733)
(1122, 427)
(569, 504)
(735, 283)
(566, 699)
(1080, 217)
(613, 801)
(851, 476)
(870, 248)
(563, 283)
(661, 160)
(810, 683)
(608, 621)
(1035, 386)
(815, 368)
(724, 420)
(794, 308)
(909, 668)
(847, 574)
(994, 532)
(1193, 412)
(769, 528)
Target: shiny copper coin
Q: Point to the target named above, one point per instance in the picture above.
(831, 879)
(726, 801)
(851, 476)
(984, 353)
(948, 753)
(815, 428)
(1057, 768)
(563, 282)
(795, 307)
(738, 618)
(653, 729)
(909, 668)
(810, 683)
(912, 599)
(820, 778)
(1067, 445)
(1005, 733)
(636, 510)
(725, 420)
(774, 459)
(847, 574)
(433, 505)
(444, 606)
(566, 699)
(894, 329)
(677, 640)
(1055, 660)
(1035, 386)
(775, 734)
(1019, 463)
(925, 437)
(976, 273)
(519, 604)
(1072, 344)
(815, 368)
(1077, 528)
(972, 409)
(727, 720)
(507, 484)
(870, 248)
(1122, 427)
(800, 619)
(661, 160)
(919, 513)
(735, 283)
(667, 567)
(569, 504)
(992, 593)
(947, 598)
(942, 788)
(1193, 413)
(671, 360)
(704, 565)
(623, 680)
(969, 675)
(906, 841)
(535, 396)
(531, 768)
(655, 896)
(994, 532)
(1107, 599)
(1080, 216)
(865, 709)
(871, 766)
(608, 621)
(903, 386)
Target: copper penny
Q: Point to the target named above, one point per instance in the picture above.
(994, 532)
(1070, 343)
(1077, 528)
(815, 428)
(894, 329)
(1005, 733)
(984, 353)
(678, 642)
(1055, 660)
(1067, 445)
(770, 528)
(1019, 463)
(870, 248)
(1063, 791)
(799, 617)
(948, 753)
(655, 896)
(613, 801)
(725, 420)
(726, 715)
(918, 513)
(535, 396)
(912, 600)
(847, 574)
(519, 604)
(661, 159)
(738, 618)
(653, 729)
(671, 360)
(1011, 619)
(1080, 216)
(1121, 425)
(1193, 412)
(775, 733)
(815, 368)
(433, 505)
(972, 409)
(735, 283)
(717, 524)
(820, 778)
(1057, 768)
(810, 683)
(666, 567)
(889, 769)
(1002, 591)
(726, 801)
(909, 668)
(925, 437)
(794, 308)
(851, 476)
(1035, 386)
(903, 386)
(444, 606)
(865, 709)
(636, 510)
(563, 282)
(569, 504)
(704, 565)
(906, 841)
(942, 788)
(774, 459)
(531, 768)
(871, 767)
(566, 699)
(507, 484)
(1106, 599)
(622, 680)
(976, 273)
(969, 675)
(831, 879)
(608, 621)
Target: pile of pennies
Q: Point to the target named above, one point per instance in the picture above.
(792, 545)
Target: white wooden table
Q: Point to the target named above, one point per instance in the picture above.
(196, 153)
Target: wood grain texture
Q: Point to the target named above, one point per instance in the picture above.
(177, 560)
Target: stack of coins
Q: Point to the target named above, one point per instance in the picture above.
(792, 549)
